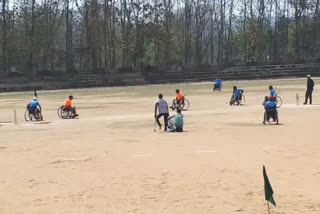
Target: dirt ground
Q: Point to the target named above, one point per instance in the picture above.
(111, 161)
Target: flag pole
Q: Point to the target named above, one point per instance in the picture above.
(268, 207)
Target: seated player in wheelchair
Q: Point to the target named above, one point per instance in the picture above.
(68, 107)
(179, 100)
(34, 108)
(270, 107)
(217, 84)
(236, 96)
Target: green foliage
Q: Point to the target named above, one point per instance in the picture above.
(102, 34)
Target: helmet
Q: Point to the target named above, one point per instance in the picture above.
(35, 98)
(308, 76)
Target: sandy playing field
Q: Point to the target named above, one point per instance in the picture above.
(111, 161)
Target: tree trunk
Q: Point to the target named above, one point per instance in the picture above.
(4, 39)
(31, 36)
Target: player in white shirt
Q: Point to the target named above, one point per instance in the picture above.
(161, 107)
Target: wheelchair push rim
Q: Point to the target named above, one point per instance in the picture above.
(65, 113)
(278, 101)
(27, 116)
(37, 115)
(59, 111)
(243, 99)
(185, 105)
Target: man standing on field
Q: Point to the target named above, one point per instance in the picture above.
(310, 85)
(161, 106)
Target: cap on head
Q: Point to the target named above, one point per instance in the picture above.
(35, 98)
(160, 96)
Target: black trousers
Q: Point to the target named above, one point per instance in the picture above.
(308, 96)
(31, 110)
(166, 116)
(216, 86)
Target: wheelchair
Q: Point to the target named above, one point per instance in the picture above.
(33, 113)
(217, 87)
(271, 114)
(238, 100)
(65, 112)
(278, 101)
(183, 104)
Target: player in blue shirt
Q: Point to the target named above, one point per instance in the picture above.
(217, 84)
(270, 106)
(272, 91)
(33, 105)
(236, 96)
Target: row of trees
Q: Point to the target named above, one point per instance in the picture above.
(95, 35)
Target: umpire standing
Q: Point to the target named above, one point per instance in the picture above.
(310, 85)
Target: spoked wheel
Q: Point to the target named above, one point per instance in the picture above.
(278, 101)
(37, 115)
(27, 116)
(277, 117)
(66, 114)
(243, 99)
(185, 105)
(217, 89)
(59, 111)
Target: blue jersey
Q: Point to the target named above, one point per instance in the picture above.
(217, 81)
(34, 104)
(237, 92)
(270, 105)
(272, 93)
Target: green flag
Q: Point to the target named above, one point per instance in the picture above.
(267, 188)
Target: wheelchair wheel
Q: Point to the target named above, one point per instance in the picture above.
(27, 116)
(185, 105)
(65, 113)
(37, 115)
(277, 117)
(215, 88)
(265, 118)
(59, 111)
(278, 101)
(243, 99)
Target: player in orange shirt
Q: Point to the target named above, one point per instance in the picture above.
(178, 100)
(68, 104)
